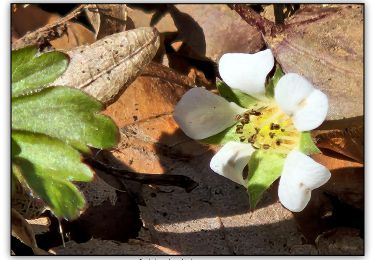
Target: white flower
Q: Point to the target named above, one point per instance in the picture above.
(270, 124)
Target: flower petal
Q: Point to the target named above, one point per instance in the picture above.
(246, 72)
(300, 175)
(312, 111)
(291, 196)
(201, 114)
(231, 160)
(291, 90)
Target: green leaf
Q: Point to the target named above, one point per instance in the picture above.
(49, 166)
(31, 71)
(271, 84)
(235, 96)
(67, 114)
(264, 168)
(307, 145)
(223, 137)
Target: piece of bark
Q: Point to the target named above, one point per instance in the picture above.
(107, 19)
(107, 67)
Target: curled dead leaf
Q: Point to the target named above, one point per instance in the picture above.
(107, 19)
(42, 26)
(22, 230)
(105, 68)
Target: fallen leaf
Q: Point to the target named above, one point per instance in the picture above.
(212, 30)
(105, 68)
(325, 44)
(348, 142)
(22, 230)
(107, 19)
(36, 18)
(150, 138)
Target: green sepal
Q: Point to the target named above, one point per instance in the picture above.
(272, 82)
(236, 96)
(264, 168)
(223, 137)
(307, 145)
(31, 72)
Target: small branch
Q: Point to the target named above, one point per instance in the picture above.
(253, 18)
(145, 178)
(48, 32)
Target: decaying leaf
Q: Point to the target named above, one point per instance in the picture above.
(23, 231)
(107, 19)
(150, 138)
(105, 68)
(43, 26)
(325, 44)
(212, 30)
(349, 141)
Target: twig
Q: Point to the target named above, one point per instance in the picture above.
(49, 31)
(145, 178)
(253, 18)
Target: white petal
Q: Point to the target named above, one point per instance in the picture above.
(231, 160)
(201, 114)
(291, 196)
(300, 175)
(312, 111)
(246, 72)
(291, 90)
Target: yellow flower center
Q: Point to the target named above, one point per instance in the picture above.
(267, 127)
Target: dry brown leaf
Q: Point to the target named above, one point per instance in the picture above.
(23, 232)
(107, 19)
(212, 30)
(105, 68)
(36, 18)
(325, 44)
(150, 138)
(142, 18)
(348, 142)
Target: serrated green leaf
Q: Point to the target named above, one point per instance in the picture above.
(264, 168)
(307, 145)
(49, 165)
(271, 84)
(236, 96)
(31, 71)
(67, 114)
